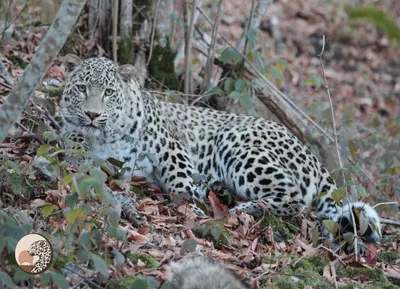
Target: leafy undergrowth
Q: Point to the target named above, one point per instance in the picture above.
(92, 245)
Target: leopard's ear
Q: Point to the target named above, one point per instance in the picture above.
(127, 72)
(71, 61)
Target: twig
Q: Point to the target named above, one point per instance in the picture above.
(353, 219)
(83, 277)
(386, 203)
(281, 96)
(211, 50)
(153, 30)
(115, 30)
(390, 222)
(5, 75)
(188, 46)
(15, 18)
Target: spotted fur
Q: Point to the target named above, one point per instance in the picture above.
(43, 250)
(259, 160)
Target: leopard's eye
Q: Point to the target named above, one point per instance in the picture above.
(81, 88)
(109, 92)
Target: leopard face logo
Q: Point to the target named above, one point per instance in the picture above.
(34, 254)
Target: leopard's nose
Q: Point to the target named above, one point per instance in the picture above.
(92, 115)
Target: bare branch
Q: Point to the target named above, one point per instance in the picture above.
(39, 64)
(188, 46)
(211, 50)
(153, 31)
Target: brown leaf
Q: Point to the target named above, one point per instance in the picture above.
(219, 209)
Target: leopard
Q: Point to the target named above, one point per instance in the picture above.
(106, 108)
(204, 273)
(43, 250)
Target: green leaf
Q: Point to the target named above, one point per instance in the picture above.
(189, 245)
(42, 150)
(353, 149)
(98, 175)
(21, 276)
(49, 136)
(2, 244)
(230, 55)
(215, 233)
(256, 84)
(118, 257)
(85, 239)
(235, 95)
(6, 280)
(71, 200)
(48, 209)
(246, 100)
(45, 279)
(281, 64)
(319, 196)
(141, 283)
(348, 237)
(74, 215)
(229, 84)
(315, 236)
(240, 85)
(170, 284)
(67, 179)
(84, 168)
(113, 216)
(100, 265)
(59, 280)
(252, 37)
(361, 191)
(331, 226)
(314, 80)
(277, 74)
(337, 195)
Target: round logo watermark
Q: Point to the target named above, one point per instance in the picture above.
(33, 254)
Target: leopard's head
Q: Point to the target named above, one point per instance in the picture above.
(95, 94)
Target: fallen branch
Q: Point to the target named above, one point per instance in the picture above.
(39, 64)
(285, 99)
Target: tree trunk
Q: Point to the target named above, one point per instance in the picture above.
(125, 51)
(39, 64)
(93, 15)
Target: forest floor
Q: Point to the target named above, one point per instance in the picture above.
(363, 71)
